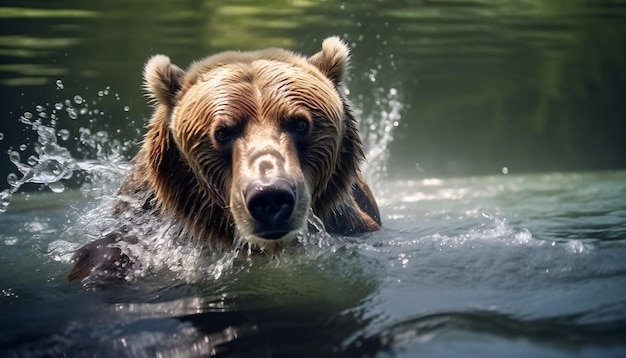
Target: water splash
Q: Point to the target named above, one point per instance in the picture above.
(53, 163)
(50, 164)
(161, 244)
(316, 235)
(378, 130)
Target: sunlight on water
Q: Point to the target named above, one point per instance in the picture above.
(494, 231)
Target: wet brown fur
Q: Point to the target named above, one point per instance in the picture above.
(182, 172)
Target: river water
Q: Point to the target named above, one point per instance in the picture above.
(516, 265)
(494, 135)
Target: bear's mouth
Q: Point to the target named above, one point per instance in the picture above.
(273, 236)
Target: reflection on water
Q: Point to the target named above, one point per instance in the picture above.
(28, 50)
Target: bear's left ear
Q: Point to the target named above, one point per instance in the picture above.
(332, 60)
(162, 80)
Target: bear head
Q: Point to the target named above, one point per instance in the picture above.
(244, 144)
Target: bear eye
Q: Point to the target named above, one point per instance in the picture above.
(299, 125)
(224, 135)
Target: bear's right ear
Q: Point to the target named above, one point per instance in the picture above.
(162, 80)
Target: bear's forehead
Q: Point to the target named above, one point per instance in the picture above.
(265, 73)
(263, 85)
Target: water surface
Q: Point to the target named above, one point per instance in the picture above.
(530, 265)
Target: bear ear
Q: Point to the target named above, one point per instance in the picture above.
(162, 80)
(333, 59)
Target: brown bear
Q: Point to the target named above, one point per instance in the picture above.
(240, 148)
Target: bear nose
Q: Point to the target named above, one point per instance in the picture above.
(271, 204)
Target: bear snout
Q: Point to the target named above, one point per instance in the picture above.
(271, 204)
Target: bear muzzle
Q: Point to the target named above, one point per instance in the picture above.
(271, 204)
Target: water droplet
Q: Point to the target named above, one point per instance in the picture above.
(23, 147)
(43, 115)
(505, 170)
(32, 160)
(126, 108)
(56, 187)
(83, 111)
(40, 108)
(58, 106)
(72, 113)
(11, 179)
(100, 93)
(78, 99)
(14, 156)
(56, 169)
(64, 134)
(28, 115)
(59, 84)
(1, 136)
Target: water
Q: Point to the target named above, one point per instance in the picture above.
(458, 101)
(463, 266)
(487, 266)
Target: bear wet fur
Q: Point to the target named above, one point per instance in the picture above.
(239, 148)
